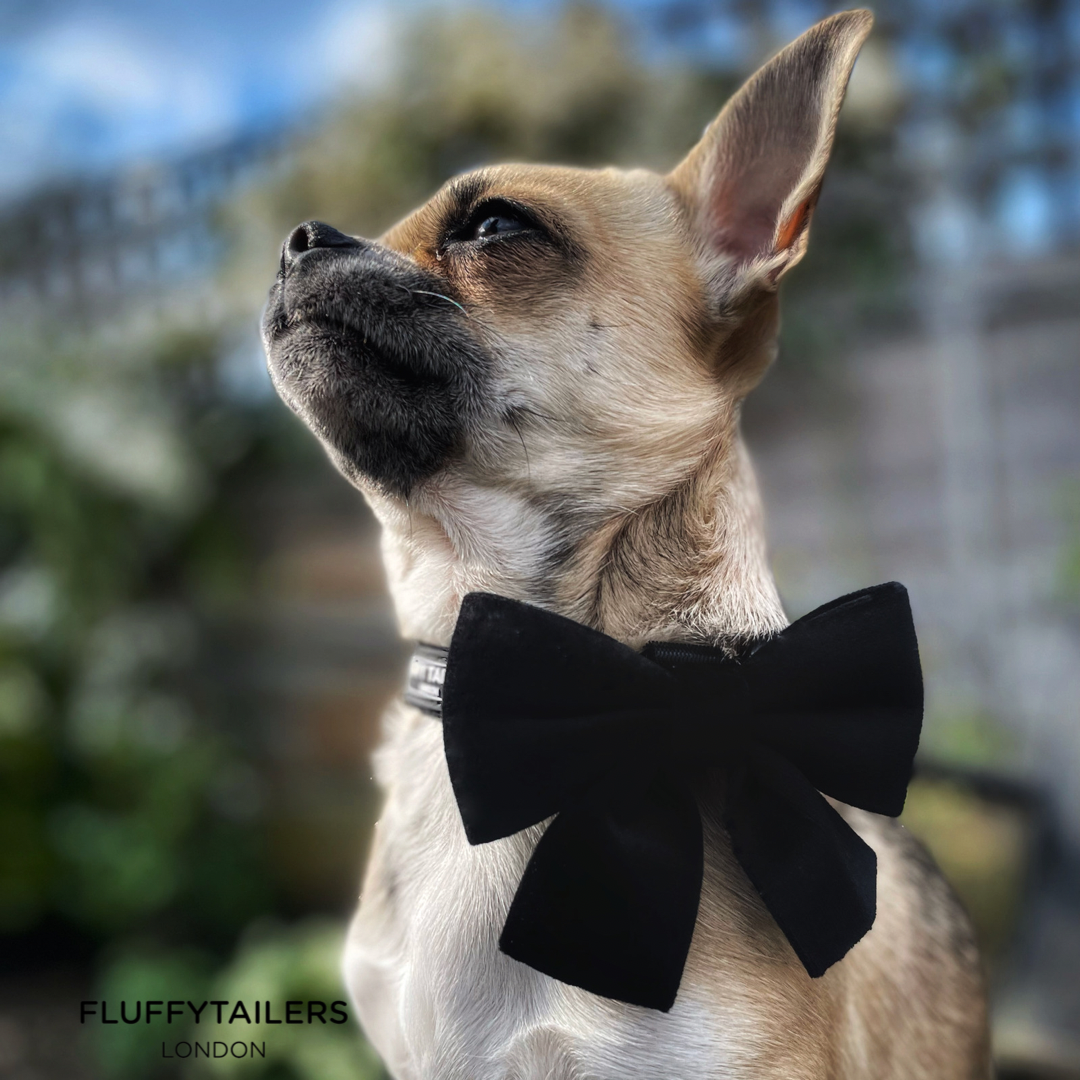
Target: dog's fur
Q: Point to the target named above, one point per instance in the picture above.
(548, 408)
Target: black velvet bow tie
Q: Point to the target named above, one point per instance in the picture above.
(543, 716)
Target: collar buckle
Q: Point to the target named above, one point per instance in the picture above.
(424, 683)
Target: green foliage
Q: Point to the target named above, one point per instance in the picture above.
(298, 963)
(115, 752)
(982, 847)
(1069, 573)
(144, 970)
(106, 754)
(275, 963)
(967, 737)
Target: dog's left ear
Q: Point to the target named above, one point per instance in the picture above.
(752, 181)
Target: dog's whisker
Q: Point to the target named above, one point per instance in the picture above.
(514, 425)
(535, 412)
(427, 292)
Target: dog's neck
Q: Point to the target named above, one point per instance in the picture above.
(689, 566)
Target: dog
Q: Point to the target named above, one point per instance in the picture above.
(535, 380)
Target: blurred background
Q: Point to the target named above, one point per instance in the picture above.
(195, 641)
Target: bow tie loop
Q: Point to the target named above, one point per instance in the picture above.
(708, 722)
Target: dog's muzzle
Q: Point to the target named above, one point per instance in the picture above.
(375, 354)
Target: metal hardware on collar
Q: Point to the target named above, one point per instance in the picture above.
(424, 683)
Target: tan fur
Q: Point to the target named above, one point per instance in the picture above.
(618, 492)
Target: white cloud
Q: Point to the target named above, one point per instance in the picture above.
(353, 45)
(84, 93)
(93, 90)
(98, 64)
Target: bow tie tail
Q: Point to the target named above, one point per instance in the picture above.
(609, 898)
(816, 876)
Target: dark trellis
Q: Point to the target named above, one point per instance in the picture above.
(82, 249)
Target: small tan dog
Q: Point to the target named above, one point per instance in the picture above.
(535, 380)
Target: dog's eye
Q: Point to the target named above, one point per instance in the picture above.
(498, 224)
(494, 219)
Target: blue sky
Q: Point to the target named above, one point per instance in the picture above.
(86, 85)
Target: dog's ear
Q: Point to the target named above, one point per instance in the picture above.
(752, 181)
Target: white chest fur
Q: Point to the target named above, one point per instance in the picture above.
(437, 997)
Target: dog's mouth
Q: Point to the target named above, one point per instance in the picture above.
(377, 359)
(372, 347)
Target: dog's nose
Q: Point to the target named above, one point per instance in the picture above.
(311, 235)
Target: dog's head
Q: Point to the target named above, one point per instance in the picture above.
(538, 351)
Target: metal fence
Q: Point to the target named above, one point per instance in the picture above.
(84, 250)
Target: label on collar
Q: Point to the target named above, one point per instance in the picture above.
(424, 683)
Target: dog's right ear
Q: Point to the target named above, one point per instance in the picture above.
(752, 181)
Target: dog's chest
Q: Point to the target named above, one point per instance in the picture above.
(437, 997)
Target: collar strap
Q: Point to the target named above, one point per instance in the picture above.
(427, 668)
(424, 683)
